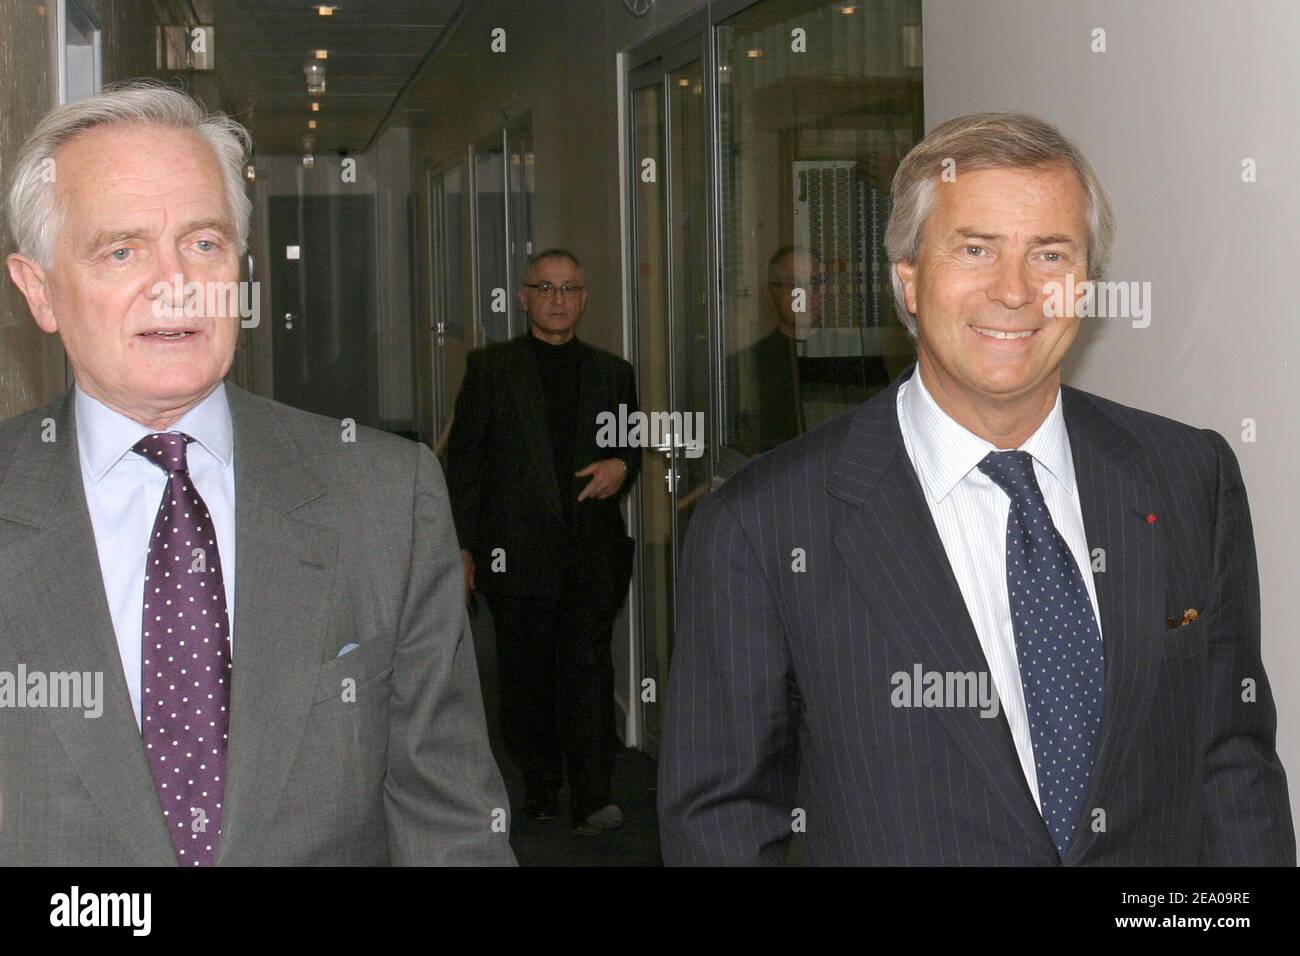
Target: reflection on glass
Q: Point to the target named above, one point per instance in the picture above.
(522, 201)
(809, 144)
(452, 264)
(490, 223)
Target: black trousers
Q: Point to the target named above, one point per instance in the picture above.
(556, 675)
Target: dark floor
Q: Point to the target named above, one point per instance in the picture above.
(552, 842)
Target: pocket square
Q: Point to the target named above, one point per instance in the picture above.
(347, 649)
(1188, 617)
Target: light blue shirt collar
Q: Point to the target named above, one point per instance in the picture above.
(104, 436)
(945, 452)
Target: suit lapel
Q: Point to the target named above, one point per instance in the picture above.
(284, 572)
(1116, 496)
(530, 405)
(53, 605)
(283, 591)
(894, 553)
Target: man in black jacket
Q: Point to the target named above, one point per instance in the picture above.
(536, 502)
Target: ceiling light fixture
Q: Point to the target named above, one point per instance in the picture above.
(315, 74)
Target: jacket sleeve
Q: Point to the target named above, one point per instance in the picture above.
(444, 800)
(466, 454)
(728, 768)
(1246, 810)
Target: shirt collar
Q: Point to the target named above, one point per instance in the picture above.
(945, 452)
(104, 436)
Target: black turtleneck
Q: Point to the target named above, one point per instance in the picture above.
(558, 366)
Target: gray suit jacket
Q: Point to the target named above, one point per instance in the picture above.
(780, 693)
(337, 543)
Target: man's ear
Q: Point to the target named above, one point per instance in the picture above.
(523, 302)
(906, 272)
(31, 281)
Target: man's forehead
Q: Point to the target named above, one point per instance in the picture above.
(110, 177)
(135, 158)
(555, 266)
(1006, 202)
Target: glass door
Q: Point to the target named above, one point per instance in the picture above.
(452, 337)
(671, 240)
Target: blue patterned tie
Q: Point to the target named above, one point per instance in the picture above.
(1058, 645)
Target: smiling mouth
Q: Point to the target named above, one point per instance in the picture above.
(169, 335)
(997, 334)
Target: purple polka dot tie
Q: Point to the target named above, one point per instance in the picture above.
(185, 659)
(1058, 644)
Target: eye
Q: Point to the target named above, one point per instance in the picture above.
(119, 255)
(1056, 254)
(977, 250)
(209, 243)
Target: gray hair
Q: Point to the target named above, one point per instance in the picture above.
(35, 218)
(555, 252)
(985, 141)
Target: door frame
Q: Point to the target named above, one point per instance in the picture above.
(647, 63)
(439, 282)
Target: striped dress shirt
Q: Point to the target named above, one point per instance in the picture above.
(970, 512)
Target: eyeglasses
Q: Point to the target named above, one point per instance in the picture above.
(549, 288)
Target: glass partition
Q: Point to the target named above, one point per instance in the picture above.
(817, 104)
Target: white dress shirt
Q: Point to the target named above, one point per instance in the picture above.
(971, 511)
(123, 493)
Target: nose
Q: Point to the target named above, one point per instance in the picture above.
(168, 273)
(1011, 284)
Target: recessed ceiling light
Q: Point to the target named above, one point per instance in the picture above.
(311, 124)
(322, 54)
(315, 107)
(325, 10)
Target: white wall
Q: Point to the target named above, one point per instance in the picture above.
(1186, 90)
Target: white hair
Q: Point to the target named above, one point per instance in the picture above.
(35, 217)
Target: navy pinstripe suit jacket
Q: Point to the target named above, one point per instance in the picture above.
(779, 706)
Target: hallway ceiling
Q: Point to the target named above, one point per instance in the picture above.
(374, 46)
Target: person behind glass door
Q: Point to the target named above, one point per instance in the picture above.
(536, 504)
(772, 412)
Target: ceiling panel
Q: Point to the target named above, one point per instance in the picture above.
(375, 46)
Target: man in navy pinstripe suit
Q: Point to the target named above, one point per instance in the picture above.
(975, 524)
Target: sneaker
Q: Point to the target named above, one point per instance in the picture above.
(608, 817)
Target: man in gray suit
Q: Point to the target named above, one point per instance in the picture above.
(983, 618)
(270, 601)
